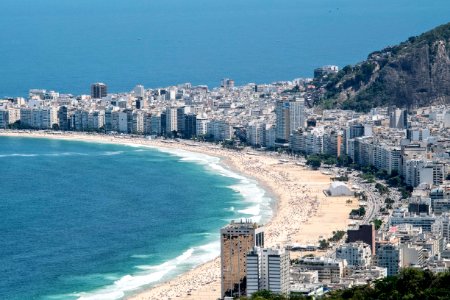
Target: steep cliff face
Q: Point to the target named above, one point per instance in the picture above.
(414, 73)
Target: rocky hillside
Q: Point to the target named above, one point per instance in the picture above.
(414, 73)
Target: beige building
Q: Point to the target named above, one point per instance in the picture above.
(237, 239)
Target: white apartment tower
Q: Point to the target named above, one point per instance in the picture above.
(268, 269)
(171, 119)
(139, 91)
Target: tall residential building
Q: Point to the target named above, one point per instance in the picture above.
(398, 118)
(156, 124)
(237, 239)
(201, 126)
(99, 90)
(171, 120)
(268, 269)
(9, 116)
(63, 118)
(389, 256)
(123, 122)
(190, 126)
(180, 121)
(219, 130)
(139, 91)
(290, 116)
(138, 122)
(147, 123)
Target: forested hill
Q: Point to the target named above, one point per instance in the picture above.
(414, 73)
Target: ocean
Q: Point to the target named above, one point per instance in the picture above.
(67, 45)
(97, 221)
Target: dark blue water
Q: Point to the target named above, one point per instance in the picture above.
(67, 45)
(89, 220)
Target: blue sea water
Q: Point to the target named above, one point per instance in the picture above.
(98, 221)
(67, 45)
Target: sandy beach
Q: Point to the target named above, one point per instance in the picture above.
(304, 214)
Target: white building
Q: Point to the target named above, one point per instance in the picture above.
(123, 122)
(220, 130)
(139, 91)
(201, 126)
(39, 118)
(255, 134)
(417, 171)
(9, 116)
(447, 119)
(138, 122)
(329, 270)
(389, 256)
(290, 116)
(171, 119)
(426, 222)
(268, 269)
(356, 254)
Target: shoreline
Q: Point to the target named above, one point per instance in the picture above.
(297, 203)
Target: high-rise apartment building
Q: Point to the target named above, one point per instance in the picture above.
(99, 90)
(190, 126)
(139, 91)
(398, 118)
(268, 269)
(171, 120)
(237, 239)
(63, 118)
(290, 117)
(389, 256)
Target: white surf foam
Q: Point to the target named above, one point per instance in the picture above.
(249, 189)
(153, 274)
(109, 153)
(141, 256)
(252, 210)
(18, 155)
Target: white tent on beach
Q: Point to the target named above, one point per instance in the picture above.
(338, 188)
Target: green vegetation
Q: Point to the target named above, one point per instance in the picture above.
(266, 295)
(231, 144)
(341, 178)
(382, 189)
(368, 177)
(395, 181)
(324, 244)
(360, 212)
(377, 223)
(410, 284)
(337, 236)
(389, 76)
(389, 201)
(344, 161)
(314, 162)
